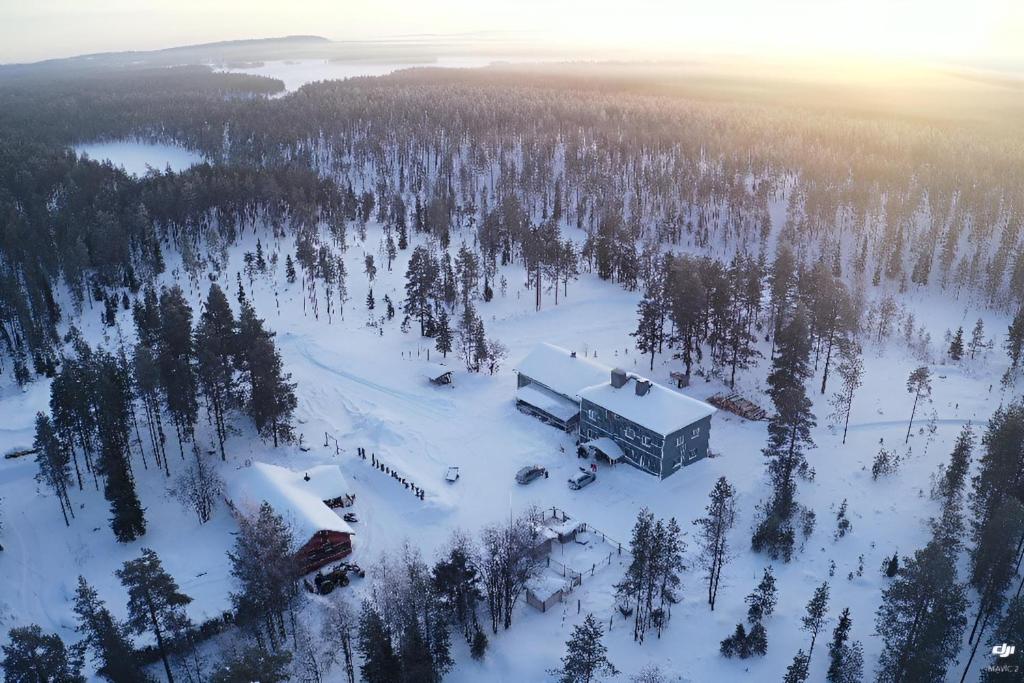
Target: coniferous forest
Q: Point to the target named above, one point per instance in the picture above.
(765, 243)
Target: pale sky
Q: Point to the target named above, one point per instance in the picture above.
(962, 30)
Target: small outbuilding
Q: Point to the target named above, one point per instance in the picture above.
(438, 374)
(302, 499)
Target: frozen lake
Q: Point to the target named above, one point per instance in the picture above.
(137, 157)
(297, 73)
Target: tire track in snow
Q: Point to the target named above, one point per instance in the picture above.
(899, 423)
(432, 407)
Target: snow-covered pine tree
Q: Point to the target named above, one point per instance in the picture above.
(586, 657)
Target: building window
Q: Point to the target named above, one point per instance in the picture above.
(591, 414)
(696, 432)
(630, 434)
(680, 440)
(647, 440)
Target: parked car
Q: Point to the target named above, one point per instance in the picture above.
(581, 479)
(529, 473)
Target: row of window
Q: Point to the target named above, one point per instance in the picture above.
(645, 439)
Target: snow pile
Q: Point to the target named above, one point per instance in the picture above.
(299, 502)
(660, 410)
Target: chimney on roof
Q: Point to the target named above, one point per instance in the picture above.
(305, 477)
(619, 378)
(642, 386)
(572, 354)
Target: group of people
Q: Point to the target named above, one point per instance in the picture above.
(377, 464)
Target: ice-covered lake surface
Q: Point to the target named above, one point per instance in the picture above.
(137, 157)
(297, 73)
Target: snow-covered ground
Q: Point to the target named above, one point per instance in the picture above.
(137, 157)
(368, 390)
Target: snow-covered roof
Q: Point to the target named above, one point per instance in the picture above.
(547, 586)
(297, 501)
(557, 369)
(551, 403)
(435, 370)
(324, 481)
(611, 449)
(661, 410)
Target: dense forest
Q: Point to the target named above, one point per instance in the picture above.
(507, 156)
(555, 171)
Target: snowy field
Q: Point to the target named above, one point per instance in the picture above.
(136, 158)
(298, 72)
(369, 390)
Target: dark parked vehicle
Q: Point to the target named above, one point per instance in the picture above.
(529, 473)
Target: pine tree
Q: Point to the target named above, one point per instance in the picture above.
(176, 357)
(789, 434)
(217, 348)
(154, 601)
(799, 669)
(54, 462)
(977, 338)
(271, 399)
(264, 569)
(921, 618)
(586, 657)
(851, 372)
(993, 566)
(373, 642)
(443, 334)
(920, 385)
(253, 664)
(370, 302)
(846, 659)
(109, 641)
(1015, 345)
(31, 656)
(735, 645)
(817, 615)
(649, 332)
(956, 346)
(757, 640)
(1010, 630)
(714, 534)
(421, 277)
(289, 269)
(761, 602)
